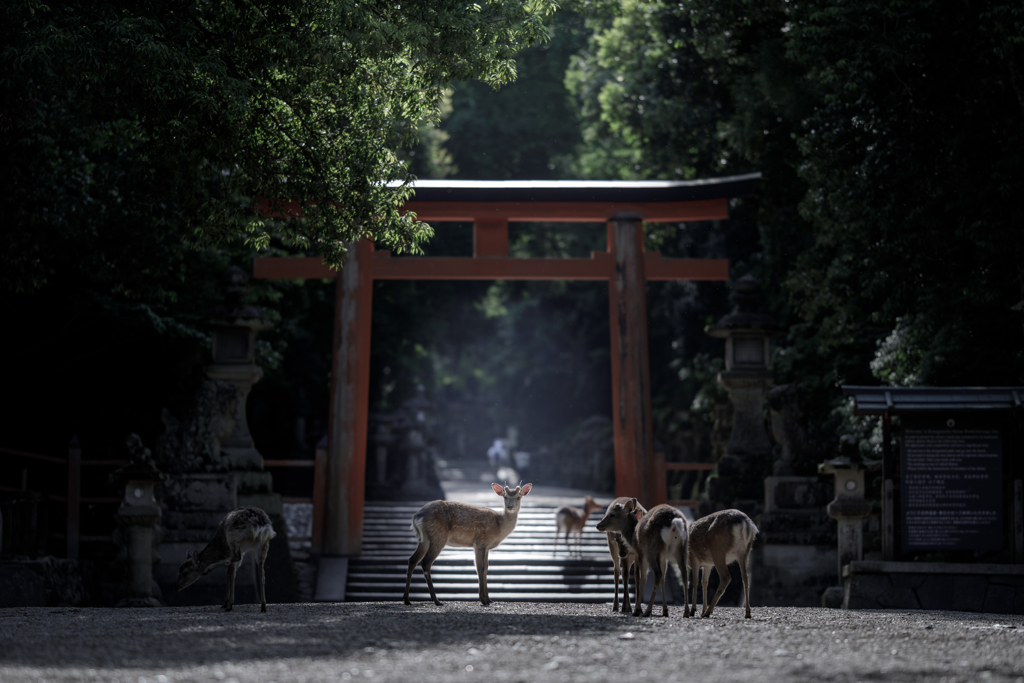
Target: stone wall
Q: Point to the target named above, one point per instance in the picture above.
(992, 588)
(794, 558)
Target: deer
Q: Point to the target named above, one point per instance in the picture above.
(657, 538)
(242, 530)
(571, 520)
(622, 553)
(443, 523)
(716, 541)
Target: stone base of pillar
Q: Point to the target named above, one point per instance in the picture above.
(833, 597)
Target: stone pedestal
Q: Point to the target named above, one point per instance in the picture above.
(139, 513)
(747, 392)
(795, 558)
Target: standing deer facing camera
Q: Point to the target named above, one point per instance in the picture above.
(449, 523)
(572, 520)
(239, 532)
(716, 541)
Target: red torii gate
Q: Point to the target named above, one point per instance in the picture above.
(490, 205)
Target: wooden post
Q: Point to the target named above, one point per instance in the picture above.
(319, 496)
(350, 395)
(635, 468)
(490, 238)
(74, 494)
(888, 497)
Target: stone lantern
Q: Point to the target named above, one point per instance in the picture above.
(848, 508)
(234, 326)
(139, 515)
(747, 374)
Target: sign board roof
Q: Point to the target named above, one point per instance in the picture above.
(878, 400)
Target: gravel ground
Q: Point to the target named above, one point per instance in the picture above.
(515, 642)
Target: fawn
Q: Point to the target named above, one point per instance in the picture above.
(571, 520)
(239, 532)
(623, 556)
(715, 541)
(657, 538)
(448, 523)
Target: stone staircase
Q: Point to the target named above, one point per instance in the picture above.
(523, 567)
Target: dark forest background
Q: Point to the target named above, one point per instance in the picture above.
(887, 233)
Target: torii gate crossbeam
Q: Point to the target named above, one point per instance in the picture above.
(623, 206)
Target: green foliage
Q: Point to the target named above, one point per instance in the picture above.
(209, 116)
(527, 129)
(889, 135)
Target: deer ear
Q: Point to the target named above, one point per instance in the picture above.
(526, 488)
(497, 489)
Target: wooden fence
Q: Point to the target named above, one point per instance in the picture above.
(73, 498)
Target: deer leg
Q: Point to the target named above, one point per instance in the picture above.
(262, 576)
(746, 585)
(705, 573)
(683, 570)
(659, 577)
(640, 570)
(229, 595)
(481, 575)
(724, 579)
(631, 568)
(414, 559)
(664, 580)
(432, 553)
(616, 561)
(696, 582)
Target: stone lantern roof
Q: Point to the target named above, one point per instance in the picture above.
(745, 318)
(235, 311)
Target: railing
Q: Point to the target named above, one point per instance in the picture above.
(684, 467)
(74, 499)
(319, 498)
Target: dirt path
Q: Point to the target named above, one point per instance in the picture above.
(515, 642)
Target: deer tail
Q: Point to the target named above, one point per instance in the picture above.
(679, 527)
(265, 533)
(417, 529)
(748, 531)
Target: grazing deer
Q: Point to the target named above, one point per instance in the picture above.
(715, 541)
(623, 556)
(448, 523)
(572, 520)
(239, 532)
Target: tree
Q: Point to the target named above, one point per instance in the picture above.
(890, 236)
(195, 114)
(137, 139)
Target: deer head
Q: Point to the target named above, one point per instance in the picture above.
(190, 570)
(621, 516)
(512, 496)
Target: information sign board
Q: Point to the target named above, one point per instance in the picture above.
(951, 493)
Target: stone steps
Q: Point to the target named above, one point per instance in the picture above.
(525, 567)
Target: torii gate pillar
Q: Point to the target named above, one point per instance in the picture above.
(350, 391)
(635, 468)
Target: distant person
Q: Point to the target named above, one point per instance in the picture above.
(522, 461)
(497, 455)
